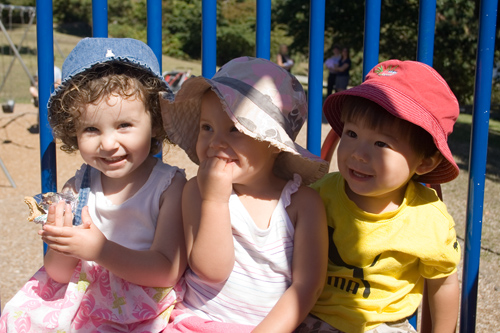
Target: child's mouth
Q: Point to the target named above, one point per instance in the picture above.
(359, 174)
(112, 160)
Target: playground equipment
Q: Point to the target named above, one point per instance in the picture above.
(481, 107)
(175, 78)
(14, 50)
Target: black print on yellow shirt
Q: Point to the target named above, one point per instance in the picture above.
(347, 285)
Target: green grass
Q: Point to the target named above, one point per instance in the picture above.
(18, 83)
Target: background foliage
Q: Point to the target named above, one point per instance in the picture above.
(455, 37)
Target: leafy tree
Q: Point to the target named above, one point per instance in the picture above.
(455, 35)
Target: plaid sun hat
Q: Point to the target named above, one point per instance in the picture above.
(412, 91)
(263, 100)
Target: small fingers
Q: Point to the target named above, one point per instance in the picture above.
(86, 219)
(60, 213)
(68, 216)
(51, 215)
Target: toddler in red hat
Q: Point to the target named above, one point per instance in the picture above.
(388, 233)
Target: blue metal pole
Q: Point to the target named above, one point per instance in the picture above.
(315, 82)
(208, 38)
(100, 18)
(477, 164)
(372, 35)
(426, 28)
(45, 47)
(425, 53)
(154, 28)
(263, 31)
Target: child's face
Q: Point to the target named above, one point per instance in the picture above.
(376, 164)
(115, 135)
(218, 137)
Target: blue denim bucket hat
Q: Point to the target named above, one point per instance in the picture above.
(93, 51)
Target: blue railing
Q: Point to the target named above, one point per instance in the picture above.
(425, 50)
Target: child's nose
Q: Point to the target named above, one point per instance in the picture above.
(360, 153)
(108, 142)
(218, 142)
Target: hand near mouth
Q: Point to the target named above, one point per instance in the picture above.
(215, 179)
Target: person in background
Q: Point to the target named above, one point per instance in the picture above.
(342, 71)
(34, 87)
(331, 64)
(283, 59)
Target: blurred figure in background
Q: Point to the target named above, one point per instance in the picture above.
(283, 59)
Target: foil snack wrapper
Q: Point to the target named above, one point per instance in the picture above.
(39, 204)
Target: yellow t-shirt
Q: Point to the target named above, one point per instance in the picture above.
(378, 262)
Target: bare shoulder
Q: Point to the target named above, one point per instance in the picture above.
(305, 202)
(191, 186)
(175, 188)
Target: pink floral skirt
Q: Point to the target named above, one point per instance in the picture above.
(94, 301)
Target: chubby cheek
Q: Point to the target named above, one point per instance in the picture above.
(201, 150)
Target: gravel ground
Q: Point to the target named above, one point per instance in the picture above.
(21, 247)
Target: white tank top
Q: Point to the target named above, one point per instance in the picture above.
(132, 223)
(262, 270)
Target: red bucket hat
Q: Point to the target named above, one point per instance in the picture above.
(412, 91)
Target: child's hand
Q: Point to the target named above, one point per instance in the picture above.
(215, 179)
(59, 215)
(85, 241)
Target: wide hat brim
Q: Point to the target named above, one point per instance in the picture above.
(181, 122)
(435, 110)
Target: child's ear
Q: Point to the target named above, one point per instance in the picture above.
(429, 163)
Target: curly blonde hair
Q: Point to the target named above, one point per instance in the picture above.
(94, 85)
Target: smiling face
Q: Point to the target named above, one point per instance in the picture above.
(114, 136)
(219, 137)
(378, 154)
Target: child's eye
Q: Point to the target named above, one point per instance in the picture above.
(125, 125)
(90, 129)
(381, 144)
(205, 127)
(350, 134)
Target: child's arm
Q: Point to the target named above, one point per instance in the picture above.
(160, 266)
(310, 260)
(443, 303)
(207, 224)
(59, 266)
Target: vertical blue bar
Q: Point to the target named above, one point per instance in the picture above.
(425, 54)
(315, 83)
(372, 35)
(263, 31)
(154, 12)
(100, 18)
(45, 47)
(477, 164)
(208, 38)
(426, 28)
(154, 30)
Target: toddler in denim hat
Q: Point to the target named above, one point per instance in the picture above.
(255, 235)
(114, 270)
(387, 232)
